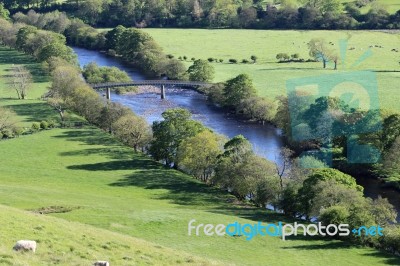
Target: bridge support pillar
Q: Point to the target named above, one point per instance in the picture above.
(162, 91)
(108, 94)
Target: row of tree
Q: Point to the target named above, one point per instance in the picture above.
(303, 190)
(40, 44)
(132, 45)
(305, 14)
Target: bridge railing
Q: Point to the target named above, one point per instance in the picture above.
(149, 82)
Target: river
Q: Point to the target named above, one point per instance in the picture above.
(266, 139)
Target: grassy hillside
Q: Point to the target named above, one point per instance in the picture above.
(60, 242)
(100, 183)
(269, 76)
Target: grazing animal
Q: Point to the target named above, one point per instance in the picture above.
(101, 263)
(25, 245)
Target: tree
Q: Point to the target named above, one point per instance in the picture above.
(20, 81)
(90, 10)
(4, 13)
(282, 57)
(197, 155)
(133, 131)
(320, 51)
(201, 70)
(254, 58)
(174, 69)
(238, 89)
(113, 37)
(391, 159)
(257, 108)
(57, 49)
(334, 6)
(282, 165)
(7, 117)
(169, 134)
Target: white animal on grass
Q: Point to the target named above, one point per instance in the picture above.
(25, 245)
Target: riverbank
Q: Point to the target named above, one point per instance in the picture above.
(122, 195)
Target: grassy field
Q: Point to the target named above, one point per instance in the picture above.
(269, 76)
(60, 242)
(114, 196)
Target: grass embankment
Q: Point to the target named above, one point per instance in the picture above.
(108, 186)
(269, 76)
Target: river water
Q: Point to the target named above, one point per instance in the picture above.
(266, 139)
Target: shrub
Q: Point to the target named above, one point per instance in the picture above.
(51, 123)
(193, 59)
(184, 57)
(210, 60)
(7, 133)
(295, 56)
(233, 61)
(221, 60)
(245, 61)
(180, 58)
(35, 126)
(17, 131)
(170, 56)
(44, 125)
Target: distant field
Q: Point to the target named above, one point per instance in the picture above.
(117, 196)
(269, 76)
(390, 5)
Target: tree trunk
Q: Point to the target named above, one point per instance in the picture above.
(324, 62)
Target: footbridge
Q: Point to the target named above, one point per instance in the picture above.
(162, 83)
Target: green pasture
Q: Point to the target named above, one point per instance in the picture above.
(269, 76)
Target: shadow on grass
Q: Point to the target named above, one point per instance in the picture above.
(89, 137)
(182, 190)
(9, 56)
(327, 244)
(33, 112)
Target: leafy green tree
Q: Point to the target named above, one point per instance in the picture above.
(133, 131)
(334, 6)
(90, 10)
(95, 74)
(113, 37)
(174, 69)
(391, 160)
(201, 70)
(57, 49)
(245, 174)
(390, 131)
(169, 134)
(4, 13)
(238, 89)
(257, 108)
(197, 155)
(282, 57)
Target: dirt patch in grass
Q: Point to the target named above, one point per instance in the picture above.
(54, 209)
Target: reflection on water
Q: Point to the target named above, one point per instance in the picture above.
(265, 139)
